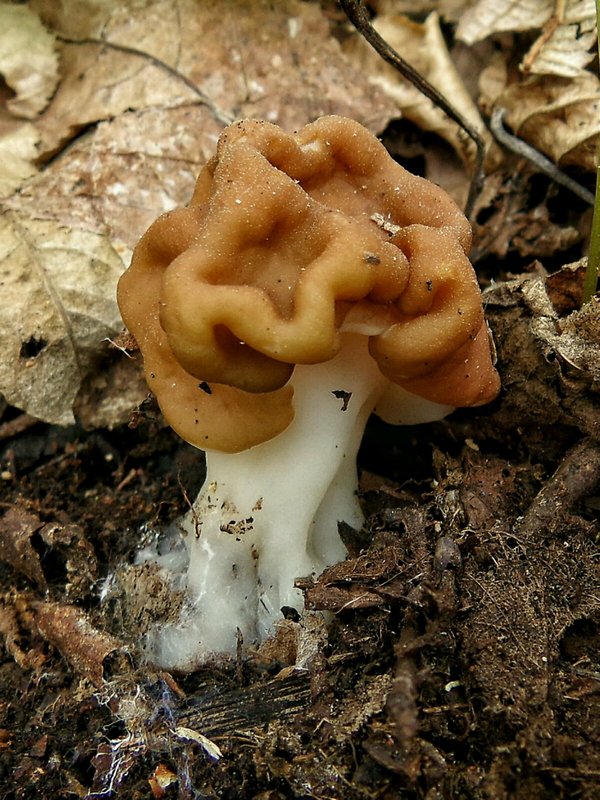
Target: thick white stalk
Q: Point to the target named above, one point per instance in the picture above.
(269, 515)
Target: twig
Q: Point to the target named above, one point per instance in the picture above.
(358, 16)
(521, 148)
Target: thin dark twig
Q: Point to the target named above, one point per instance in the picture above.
(219, 114)
(521, 148)
(358, 16)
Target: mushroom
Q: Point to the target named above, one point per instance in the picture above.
(311, 281)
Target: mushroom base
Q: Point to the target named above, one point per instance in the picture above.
(269, 515)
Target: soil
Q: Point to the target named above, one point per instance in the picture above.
(461, 653)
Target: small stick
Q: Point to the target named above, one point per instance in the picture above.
(358, 16)
(521, 148)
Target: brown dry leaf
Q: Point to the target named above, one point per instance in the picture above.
(559, 116)
(567, 36)
(66, 236)
(65, 240)
(17, 528)
(550, 365)
(69, 630)
(423, 46)
(511, 225)
(28, 60)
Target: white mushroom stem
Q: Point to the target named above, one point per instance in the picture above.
(270, 514)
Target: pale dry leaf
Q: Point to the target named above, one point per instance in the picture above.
(495, 16)
(55, 311)
(117, 180)
(74, 225)
(568, 31)
(560, 117)
(18, 150)
(274, 61)
(579, 343)
(189, 735)
(28, 60)
(564, 46)
(423, 46)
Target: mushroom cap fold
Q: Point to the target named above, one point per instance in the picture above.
(289, 240)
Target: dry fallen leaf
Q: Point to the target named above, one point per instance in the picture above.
(69, 630)
(272, 61)
(28, 60)
(568, 31)
(486, 17)
(510, 225)
(17, 529)
(559, 116)
(116, 181)
(539, 351)
(56, 310)
(423, 46)
(566, 44)
(18, 149)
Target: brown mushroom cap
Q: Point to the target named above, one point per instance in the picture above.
(287, 238)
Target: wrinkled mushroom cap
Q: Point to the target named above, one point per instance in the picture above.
(289, 240)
